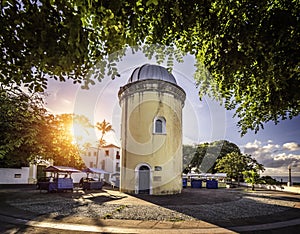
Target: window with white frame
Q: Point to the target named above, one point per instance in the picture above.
(159, 125)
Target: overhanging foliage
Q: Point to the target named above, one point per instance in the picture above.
(247, 51)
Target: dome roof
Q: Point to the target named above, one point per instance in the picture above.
(151, 72)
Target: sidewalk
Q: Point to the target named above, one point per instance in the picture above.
(134, 226)
(119, 226)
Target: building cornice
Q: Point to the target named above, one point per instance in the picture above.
(151, 85)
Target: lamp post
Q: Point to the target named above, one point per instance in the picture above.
(290, 176)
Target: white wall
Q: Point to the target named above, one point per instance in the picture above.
(89, 157)
(7, 176)
(14, 175)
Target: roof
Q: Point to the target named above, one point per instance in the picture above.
(110, 146)
(94, 170)
(151, 72)
(61, 169)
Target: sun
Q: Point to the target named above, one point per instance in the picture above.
(79, 133)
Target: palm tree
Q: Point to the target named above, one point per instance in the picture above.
(104, 127)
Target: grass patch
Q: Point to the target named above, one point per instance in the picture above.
(107, 216)
(120, 208)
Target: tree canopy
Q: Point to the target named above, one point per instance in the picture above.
(22, 121)
(205, 155)
(252, 177)
(30, 133)
(61, 146)
(246, 52)
(235, 164)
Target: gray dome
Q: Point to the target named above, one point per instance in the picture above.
(151, 72)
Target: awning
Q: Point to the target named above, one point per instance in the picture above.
(61, 169)
(95, 170)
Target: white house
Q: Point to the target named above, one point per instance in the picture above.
(109, 159)
(106, 158)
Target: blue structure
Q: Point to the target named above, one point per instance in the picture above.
(184, 182)
(196, 183)
(212, 184)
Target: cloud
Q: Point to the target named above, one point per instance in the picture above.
(284, 156)
(291, 146)
(259, 149)
(251, 147)
(274, 156)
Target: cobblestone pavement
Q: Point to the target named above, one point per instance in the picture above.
(221, 207)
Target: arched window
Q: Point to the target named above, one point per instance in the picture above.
(159, 125)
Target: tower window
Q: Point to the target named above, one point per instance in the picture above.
(159, 125)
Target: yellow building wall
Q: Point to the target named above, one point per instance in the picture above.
(141, 145)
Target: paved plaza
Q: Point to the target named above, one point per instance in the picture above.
(26, 210)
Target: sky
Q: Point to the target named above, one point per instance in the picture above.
(275, 146)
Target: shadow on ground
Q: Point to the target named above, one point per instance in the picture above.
(230, 207)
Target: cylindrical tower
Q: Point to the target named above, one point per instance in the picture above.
(151, 132)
